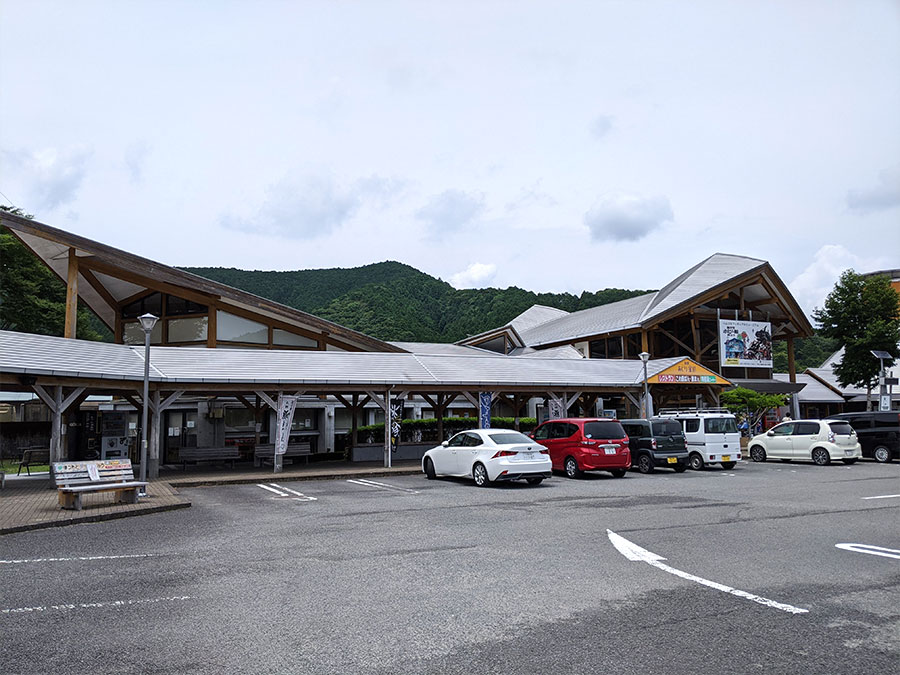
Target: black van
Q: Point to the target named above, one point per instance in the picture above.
(878, 433)
(656, 442)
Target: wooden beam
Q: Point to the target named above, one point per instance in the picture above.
(72, 295)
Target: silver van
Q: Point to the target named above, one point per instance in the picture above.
(712, 436)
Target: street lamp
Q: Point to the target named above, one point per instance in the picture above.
(148, 321)
(647, 404)
(884, 401)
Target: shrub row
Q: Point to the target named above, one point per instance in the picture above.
(424, 431)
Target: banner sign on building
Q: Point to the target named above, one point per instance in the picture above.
(687, 372)
(556, 409)
(396, 418)
(745, 343)
(484, 412)
(286, 406)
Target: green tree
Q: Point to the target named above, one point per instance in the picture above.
(753, 404)
(863, 313)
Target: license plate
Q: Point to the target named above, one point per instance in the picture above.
(848, 452)
(672, 460)
(726, 458)
(610, 451)
(529, 455)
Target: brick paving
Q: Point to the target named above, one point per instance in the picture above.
(32, 503)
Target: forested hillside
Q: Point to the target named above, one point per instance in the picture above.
(393, 301)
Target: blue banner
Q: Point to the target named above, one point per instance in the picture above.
(484, 398)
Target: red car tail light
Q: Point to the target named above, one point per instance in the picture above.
(545, 451)
(504, 453)
(653, 443)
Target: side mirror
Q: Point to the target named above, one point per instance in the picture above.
(770, 433)
(444, 444)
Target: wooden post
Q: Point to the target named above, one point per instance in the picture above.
(153, 450)
(645, 343)
(354, 421)
(56, 426)
(72, 295)
(211, 328)
(792, 368)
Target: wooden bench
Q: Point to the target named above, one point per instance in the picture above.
(32, 457)
(266, 452)
(73, 479)
(227, 453)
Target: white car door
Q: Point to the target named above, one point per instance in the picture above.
(445, 456)
(802, 439)
(466, 453)
(778, 444)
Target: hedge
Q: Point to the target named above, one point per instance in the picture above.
(424, 431)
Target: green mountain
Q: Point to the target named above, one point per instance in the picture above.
(393, 301)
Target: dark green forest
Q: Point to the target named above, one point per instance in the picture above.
(387, 300)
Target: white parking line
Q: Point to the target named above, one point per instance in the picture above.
(636, 553)
(381, 486)
(300, 496)
(89, 557)
(271, 489)
(883, 497)
(92, 605)
(871, 550)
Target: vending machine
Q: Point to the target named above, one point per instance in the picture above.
(114, 436)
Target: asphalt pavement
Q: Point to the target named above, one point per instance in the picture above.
(731, 572)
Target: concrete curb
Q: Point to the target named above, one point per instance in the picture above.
(93, 518)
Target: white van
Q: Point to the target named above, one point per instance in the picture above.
(712, 436)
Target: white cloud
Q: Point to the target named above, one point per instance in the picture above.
(450, 210)
(135, 158)
(814, 283)
(51, 177)
(885, 195)
(627, 217)
(475, 275)
(601, 126)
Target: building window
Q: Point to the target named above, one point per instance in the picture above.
(179, 306)
(133, 334)
(283, 337)
(149, 304)
(231, 328)
(188, 330)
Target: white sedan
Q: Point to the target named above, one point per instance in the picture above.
(489, 455)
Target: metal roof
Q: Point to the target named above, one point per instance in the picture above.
(813, 392)
(41, 355)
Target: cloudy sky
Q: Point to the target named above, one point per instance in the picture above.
(554, 146)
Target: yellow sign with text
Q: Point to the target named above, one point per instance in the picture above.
(687, 372)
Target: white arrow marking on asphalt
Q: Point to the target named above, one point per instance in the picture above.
(277, 492)
(300, 496)
(381, 486)
(883, 497)
(634, 552)
(871, 550)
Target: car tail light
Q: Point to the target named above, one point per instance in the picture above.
(831, 437)
(545, 451)
(712, 457)
(588, 443)
(504, 453)
(653, 443)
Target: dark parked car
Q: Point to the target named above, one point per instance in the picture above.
(878, 433)
(656, 442)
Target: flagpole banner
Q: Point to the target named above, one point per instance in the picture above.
(484, 400)
(745, 343)
(286, 406)
(396, 418)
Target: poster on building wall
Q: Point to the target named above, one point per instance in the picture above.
(745, 343)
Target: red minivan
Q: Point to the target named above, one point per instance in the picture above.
(581, 444)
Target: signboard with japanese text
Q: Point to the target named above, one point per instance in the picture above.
(745, 343)
(286, 406)
(687, 372)
(484, 400)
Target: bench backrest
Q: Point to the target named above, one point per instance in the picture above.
(268, 449)
(67, 474)
(200, 453)
(36, 455)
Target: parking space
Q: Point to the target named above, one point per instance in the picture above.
(403, 574)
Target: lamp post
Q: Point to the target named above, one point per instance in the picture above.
(884, 401)
(148, 321)
(646, 357)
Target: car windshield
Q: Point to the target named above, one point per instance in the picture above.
(841, 428)
(666, 428)
(509, 437)
(603, 430)
(720, 425)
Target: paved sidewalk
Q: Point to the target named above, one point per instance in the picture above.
(30, 503)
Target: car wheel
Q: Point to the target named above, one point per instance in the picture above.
(882, 454)
(534, 481)
(618, 473)
(429, 469)
(696, 461)
(729, 465)
(680, 468)
(757, 454)
(852, 460)
(645, 464)
(820, 456)
(572, 470)
(480, 474)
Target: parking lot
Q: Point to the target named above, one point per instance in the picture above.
(714, 571)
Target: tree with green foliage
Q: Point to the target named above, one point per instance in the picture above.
(863, 313)
(32, 298)
(752, 404)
